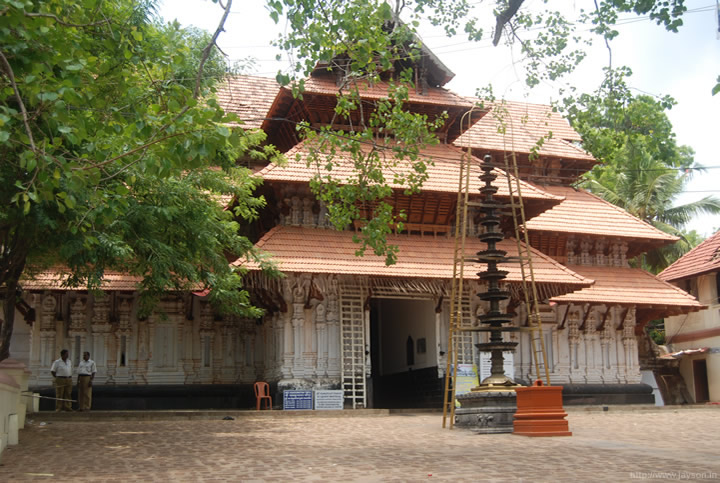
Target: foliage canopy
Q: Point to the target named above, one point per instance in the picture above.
(116, 155)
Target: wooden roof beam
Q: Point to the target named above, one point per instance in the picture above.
(622, 319)
(561, 326)
(601, 327)
(587, 314)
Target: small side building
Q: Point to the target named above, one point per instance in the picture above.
(694, 338)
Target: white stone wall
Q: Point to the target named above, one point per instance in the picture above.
(588, 346)
(184, 342)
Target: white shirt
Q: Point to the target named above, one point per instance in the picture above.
(86, 367)
(62, 368)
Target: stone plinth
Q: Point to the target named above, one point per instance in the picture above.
(540, 411)
(21, 375)
(486, 412)
(9, 397)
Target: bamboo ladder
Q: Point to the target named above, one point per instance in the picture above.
(529, 287)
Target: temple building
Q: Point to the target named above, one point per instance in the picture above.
(378, 332)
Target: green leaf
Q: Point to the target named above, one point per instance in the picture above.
(48, 96)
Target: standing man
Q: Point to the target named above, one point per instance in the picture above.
(61, 370)
(86, 374)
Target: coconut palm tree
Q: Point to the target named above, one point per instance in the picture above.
(646, 185)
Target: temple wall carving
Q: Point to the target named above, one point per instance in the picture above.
(185, 342)
(585, 345)
(600, 252)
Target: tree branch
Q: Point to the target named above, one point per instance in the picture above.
(62, 22)
(607, 42)
(11, 76)
(133, 151)
(504, 17)
(208, 49)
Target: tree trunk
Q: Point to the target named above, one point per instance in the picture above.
(8, 321)
(11, 278)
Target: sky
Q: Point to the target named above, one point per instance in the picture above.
(684, 65)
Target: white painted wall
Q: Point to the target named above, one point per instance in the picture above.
(696, 321)
(20, 342)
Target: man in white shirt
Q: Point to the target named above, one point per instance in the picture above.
(61, 370)
(86, 374)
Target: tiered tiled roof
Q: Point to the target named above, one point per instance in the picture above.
(55, 278)
(250, 97)
(524, 125)
(312, 250)
(443, 171)
(630, 286)
(379, 90)
(584, 213)
(704, 258)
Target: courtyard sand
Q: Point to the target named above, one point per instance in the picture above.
(617, 445)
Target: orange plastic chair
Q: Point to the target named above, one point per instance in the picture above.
(262, 393)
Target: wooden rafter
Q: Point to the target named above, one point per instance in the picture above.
(585, 317)
(622, 319)
(601, 327)
(564, 319)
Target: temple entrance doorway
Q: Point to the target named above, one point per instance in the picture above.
(403, 354)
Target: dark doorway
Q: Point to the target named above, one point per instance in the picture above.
(702, 392)
(403, 355)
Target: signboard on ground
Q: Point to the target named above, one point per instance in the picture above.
(297, 400)
(329, 399)
(467, 378)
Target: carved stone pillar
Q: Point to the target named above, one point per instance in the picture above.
(297, 325)
(278, 344)
(606, 337)
(118, 365)
(600, 257)
(623, 254)
(585, 257)
(78, 330)
(229, 336)
(203, 365)
(322, 219)
(630, 348)
(574, 343)
(592, 365)
(139, 365)
(101, 336)
(571, 244)
(322, 344)
(48, 334)
(333, 328)
(217, 358)
(296, 211)
(308, 216)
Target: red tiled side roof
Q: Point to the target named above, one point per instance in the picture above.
(584, 213)
(379, 90)
(312, 250)
(628, 286)
(443, 172)
(53, 279)
(524, 125)
(249, 97)
(704, 258)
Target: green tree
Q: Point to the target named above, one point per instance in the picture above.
(642, 168)
(115, 154)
